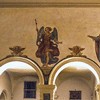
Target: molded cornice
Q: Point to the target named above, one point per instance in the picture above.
(46, 4)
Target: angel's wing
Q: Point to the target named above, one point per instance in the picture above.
(54, 34)
(81, 49)
(41, 32)
(39, 35)
(92, 37)
(71, 49)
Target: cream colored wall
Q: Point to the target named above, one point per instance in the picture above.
(18, 92)
(17, 27)
(72, 84)
(5, 85)
(16, 88)
(85, 77)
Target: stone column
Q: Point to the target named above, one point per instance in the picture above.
(98, 92)
(46, 92)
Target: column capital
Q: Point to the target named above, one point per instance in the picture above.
(46, 90)
(97, 88)
(46, 86)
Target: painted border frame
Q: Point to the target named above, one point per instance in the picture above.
(46, 4)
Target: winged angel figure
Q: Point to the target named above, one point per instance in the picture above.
(47, 42)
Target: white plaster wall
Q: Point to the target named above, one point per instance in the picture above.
(18, 93)
(72, 84)
(5, 84)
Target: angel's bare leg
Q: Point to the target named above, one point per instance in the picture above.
(47, 58)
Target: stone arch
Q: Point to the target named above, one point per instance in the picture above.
(4, 93)
(27, 61)
(90, 64)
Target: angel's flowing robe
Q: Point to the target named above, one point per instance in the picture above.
(47, 45)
